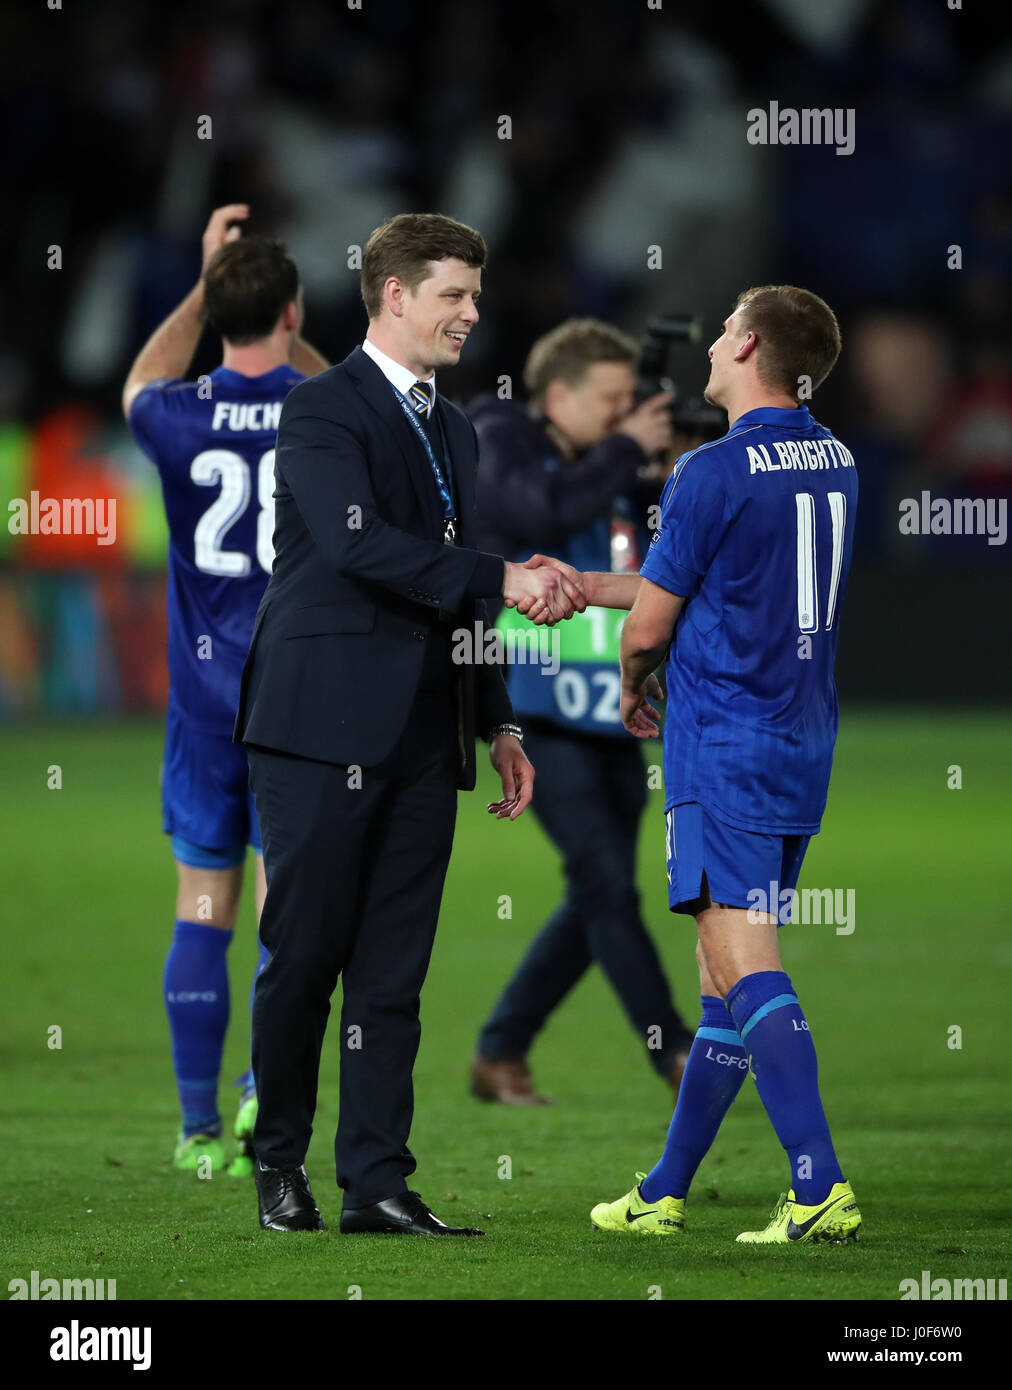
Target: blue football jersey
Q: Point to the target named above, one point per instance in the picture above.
(756, 531)
(214, 448)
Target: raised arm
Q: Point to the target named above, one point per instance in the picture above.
(167, 354)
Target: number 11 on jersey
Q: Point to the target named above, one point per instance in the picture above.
(808, 570)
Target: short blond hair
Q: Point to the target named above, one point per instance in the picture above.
(570, 349)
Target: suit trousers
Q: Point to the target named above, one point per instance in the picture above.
(355, 862)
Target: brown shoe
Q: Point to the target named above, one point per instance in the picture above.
(508, 1080)
(678, 1071)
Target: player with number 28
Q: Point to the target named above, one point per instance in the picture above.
(213, 443)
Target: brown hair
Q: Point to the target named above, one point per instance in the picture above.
(568, 350)
(797, 331)
(246, 285)
(404, 245)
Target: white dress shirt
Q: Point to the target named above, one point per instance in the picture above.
(398, 376)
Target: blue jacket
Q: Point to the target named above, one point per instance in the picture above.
(528, 498)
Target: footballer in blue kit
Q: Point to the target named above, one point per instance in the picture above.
(212, 441)
(741, 593)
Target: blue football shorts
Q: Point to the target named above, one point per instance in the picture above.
(207, 806)
(737, 865)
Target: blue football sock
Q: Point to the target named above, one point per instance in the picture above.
(775, 1033)
(197, 1003)
(717, 1065)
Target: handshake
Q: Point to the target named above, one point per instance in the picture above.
(545, 590)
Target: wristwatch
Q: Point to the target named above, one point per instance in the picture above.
(513, 729)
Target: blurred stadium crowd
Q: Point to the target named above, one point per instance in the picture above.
(627, 130)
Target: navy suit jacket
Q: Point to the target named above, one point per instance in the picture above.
(361, 575)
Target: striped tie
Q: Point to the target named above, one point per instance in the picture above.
(421, 398)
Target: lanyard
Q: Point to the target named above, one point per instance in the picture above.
(437, 472)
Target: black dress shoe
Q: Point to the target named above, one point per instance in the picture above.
(286, 1199)
(405, 1214)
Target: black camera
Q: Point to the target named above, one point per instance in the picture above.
(690, 415)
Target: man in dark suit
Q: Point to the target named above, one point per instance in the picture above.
(360, 727)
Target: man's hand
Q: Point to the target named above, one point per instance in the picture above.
(507, 756)
(218, 232)
(637, 713)
(575, 578)
(601, 589)
(552, 594)
(650, 424)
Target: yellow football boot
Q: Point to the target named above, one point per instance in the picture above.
(665, 1217)
(836, 1219)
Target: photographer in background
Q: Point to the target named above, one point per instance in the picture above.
(572, 475)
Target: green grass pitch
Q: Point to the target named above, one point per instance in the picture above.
(921, 1126)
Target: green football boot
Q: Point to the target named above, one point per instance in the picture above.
(242, 1165)
(193, 1155)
